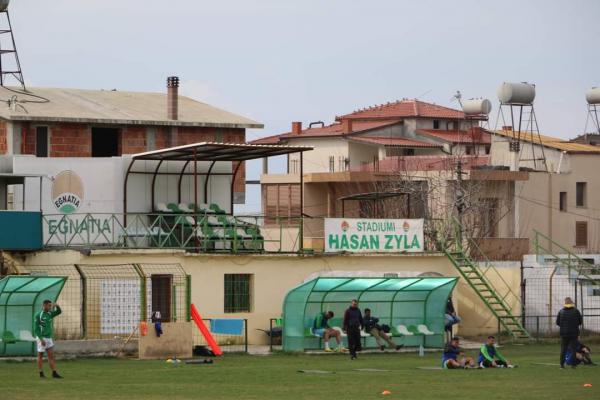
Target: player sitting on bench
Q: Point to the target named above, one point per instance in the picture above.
(322, 329)
(453, 356)
(490, 357)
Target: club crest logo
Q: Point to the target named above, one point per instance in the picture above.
(406, 226)
(345, 226)
(67, 192)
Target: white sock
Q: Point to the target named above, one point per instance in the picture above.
(326, 345)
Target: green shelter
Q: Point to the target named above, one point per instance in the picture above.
(414, 308)
(20, 298)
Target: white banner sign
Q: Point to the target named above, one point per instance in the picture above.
(359, 235)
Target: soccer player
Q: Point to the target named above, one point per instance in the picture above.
(373, 328)
(490, 357)
(44, 332)
(322, 329)
(453, 356)
(582, 355)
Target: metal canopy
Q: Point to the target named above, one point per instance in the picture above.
(212, 151)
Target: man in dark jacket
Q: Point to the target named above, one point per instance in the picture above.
(353, 324)
(568, 319)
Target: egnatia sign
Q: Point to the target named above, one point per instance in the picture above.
(373, 235)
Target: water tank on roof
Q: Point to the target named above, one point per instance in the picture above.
(593, 95)
(516, 93)
(4, 5)
(477, 106)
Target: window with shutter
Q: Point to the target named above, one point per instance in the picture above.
(581, 233)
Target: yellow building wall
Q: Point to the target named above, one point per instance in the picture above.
(275, 275)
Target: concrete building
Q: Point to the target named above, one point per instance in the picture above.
(369, 153)
(560, 203)
(55, 123)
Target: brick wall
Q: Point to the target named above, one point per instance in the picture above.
(69, 140)
(3, 142)
(133, 140)
(27, 139)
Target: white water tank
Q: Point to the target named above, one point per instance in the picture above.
(477, 106)
(516, 93)
(4, 5)
(593, 95)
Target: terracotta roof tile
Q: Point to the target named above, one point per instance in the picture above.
(404, 109)
(396, 142)
(457, 136)
(329, 130)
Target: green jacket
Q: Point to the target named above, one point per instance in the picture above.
(490, 353)
(42, 323)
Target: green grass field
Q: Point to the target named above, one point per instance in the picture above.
(277, 377)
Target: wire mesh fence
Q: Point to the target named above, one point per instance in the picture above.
(110, 301)
(231, 334)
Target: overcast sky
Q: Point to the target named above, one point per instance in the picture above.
(277, 60)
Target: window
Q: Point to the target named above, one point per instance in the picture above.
(408, 152)
(161, 295)
(294, 166)
(331, 164)
(469, 150)
(581, 233)
(562, 201)
(41, 141)
(580, 194)
(487, 149)
(105, 142)
(342, 163)
(237, 293)
(436, 124)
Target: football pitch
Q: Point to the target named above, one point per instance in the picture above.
(405, 375)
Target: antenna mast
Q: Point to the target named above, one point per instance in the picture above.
(10, 67)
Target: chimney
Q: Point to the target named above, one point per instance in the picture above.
(346, 126)
(172, 97)
(296, 128)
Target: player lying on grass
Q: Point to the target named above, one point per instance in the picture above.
(453, 356)
(322, 329)
(44, 332)
(490, 357)
(583, 354)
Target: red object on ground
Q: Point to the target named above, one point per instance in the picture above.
(205, 332)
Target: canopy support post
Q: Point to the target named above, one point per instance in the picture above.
(212, 164)
(180, 179)
(233, 176)
(125, 192)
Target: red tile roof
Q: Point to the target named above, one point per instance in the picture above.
(396, 142)
(404, 109)
(457, 136)
(329, 130)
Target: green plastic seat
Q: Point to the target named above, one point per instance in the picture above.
(8, 337)
(174, 208)
(216, 208)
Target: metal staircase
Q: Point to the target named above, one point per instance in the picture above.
(498, 297)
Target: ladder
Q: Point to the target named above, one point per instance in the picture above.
(495, 302)
(495, 297)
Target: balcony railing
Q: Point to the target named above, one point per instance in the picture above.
(422, 163)
(197, 232)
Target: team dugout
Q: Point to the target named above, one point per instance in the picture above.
(412, 307)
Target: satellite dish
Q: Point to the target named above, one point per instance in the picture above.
(4, 5)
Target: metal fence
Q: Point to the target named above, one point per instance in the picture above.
(108, 301)
(200, 232)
